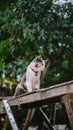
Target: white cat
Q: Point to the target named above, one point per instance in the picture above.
(31, 80)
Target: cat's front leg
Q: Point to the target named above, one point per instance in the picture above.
(37, 85)
(28, 86)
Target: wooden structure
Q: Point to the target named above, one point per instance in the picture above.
(61, 92)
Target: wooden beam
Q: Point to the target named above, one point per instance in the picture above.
(40, 97)
(68, 102)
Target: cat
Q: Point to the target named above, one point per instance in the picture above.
(31, 79)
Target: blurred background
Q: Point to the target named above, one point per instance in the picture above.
(29, 28)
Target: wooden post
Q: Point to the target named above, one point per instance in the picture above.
(10, 115)
(53, 113)
(68, 102)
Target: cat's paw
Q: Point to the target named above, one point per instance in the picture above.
(36, 89)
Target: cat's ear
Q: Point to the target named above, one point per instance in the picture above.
(39, 56)
(46, 60)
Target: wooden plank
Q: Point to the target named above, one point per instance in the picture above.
(68, 101)
(7, 98)
(42, 96)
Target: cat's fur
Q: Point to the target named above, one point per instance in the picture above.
(31, 79)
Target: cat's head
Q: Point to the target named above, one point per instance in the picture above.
(38, 64)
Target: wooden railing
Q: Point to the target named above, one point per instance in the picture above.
(61, 92)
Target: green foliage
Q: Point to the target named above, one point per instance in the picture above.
(29, 28)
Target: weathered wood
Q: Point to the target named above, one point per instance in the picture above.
(68, 102)
(2, 110)
(7, 98)
(46, 119)
(53, 113)
(10, 115)
(40, 97)
(0, 98)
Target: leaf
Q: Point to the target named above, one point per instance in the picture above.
(65, 64)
